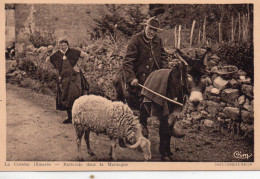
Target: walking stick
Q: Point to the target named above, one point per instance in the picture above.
(168, 99)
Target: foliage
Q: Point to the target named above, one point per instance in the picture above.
(38, 38)
(116, 19)
(240, 55)
(28, 66)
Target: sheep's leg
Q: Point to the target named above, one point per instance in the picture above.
(80, 132)
(112, 151)
(86, 137)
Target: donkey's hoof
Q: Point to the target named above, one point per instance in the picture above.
(91, 153)
(80, 158)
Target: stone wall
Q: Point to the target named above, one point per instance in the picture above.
(228, 99)
(228, 103)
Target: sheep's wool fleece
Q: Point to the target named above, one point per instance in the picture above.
(101, 115)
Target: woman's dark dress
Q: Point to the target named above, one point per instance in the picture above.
(69, 84)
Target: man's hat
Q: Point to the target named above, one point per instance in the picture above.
(154, 23)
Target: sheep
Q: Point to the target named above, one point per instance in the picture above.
(114, 119)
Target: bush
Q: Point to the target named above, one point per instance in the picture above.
(240, 55)
(39, 39)
(28, 66)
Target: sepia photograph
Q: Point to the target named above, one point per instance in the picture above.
(111, 85)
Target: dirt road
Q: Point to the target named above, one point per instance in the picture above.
(35, 133)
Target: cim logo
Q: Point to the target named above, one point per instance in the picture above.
(240, 155)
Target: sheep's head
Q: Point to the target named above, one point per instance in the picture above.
(143, 143)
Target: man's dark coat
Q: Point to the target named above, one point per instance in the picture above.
(143, 56)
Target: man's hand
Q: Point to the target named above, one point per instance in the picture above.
(134, 82)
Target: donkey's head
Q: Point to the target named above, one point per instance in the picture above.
(196, 75)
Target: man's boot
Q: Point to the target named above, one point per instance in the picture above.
(67, 121)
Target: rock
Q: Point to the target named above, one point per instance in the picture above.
(242, 77)
(232, 112)
(189, 119)
(230, 95)
(209, 81)
(211, 103)
(236, 104)
(228, 120)
(215, 91)
(241, 100)
(214, 98)
(223, 104)
(209, 116)
(233, 84)
(247, 81)
(213, 107)
(245, 115)
(196, 115)
(214, 77)
(208, 123)
(220, 83)
(204, 114)
(220, 119)
(248, 90)
(248, 107)
(229, 105)
(222, 115)
(208, 90)
(241, 73)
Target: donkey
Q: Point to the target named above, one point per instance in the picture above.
(185, 79)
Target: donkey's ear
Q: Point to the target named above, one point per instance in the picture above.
(206, 56)
(185, 59)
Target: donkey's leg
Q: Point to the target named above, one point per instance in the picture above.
(164, 138)
(145, 111)
(86, 137)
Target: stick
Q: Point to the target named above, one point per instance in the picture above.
(239, 26)
(235, 28)
(179, 37)
(232, 29)
(175, 36)
(168, 99)
(199, 38)
(204, 31)
(191, 34)
(220, 32)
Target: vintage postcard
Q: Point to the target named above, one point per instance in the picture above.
(129, 85)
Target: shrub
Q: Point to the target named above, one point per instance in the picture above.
(39, 39)
(28, 66)
(240, 55)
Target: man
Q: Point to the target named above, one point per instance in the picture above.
(144, 54)
(71, 83)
